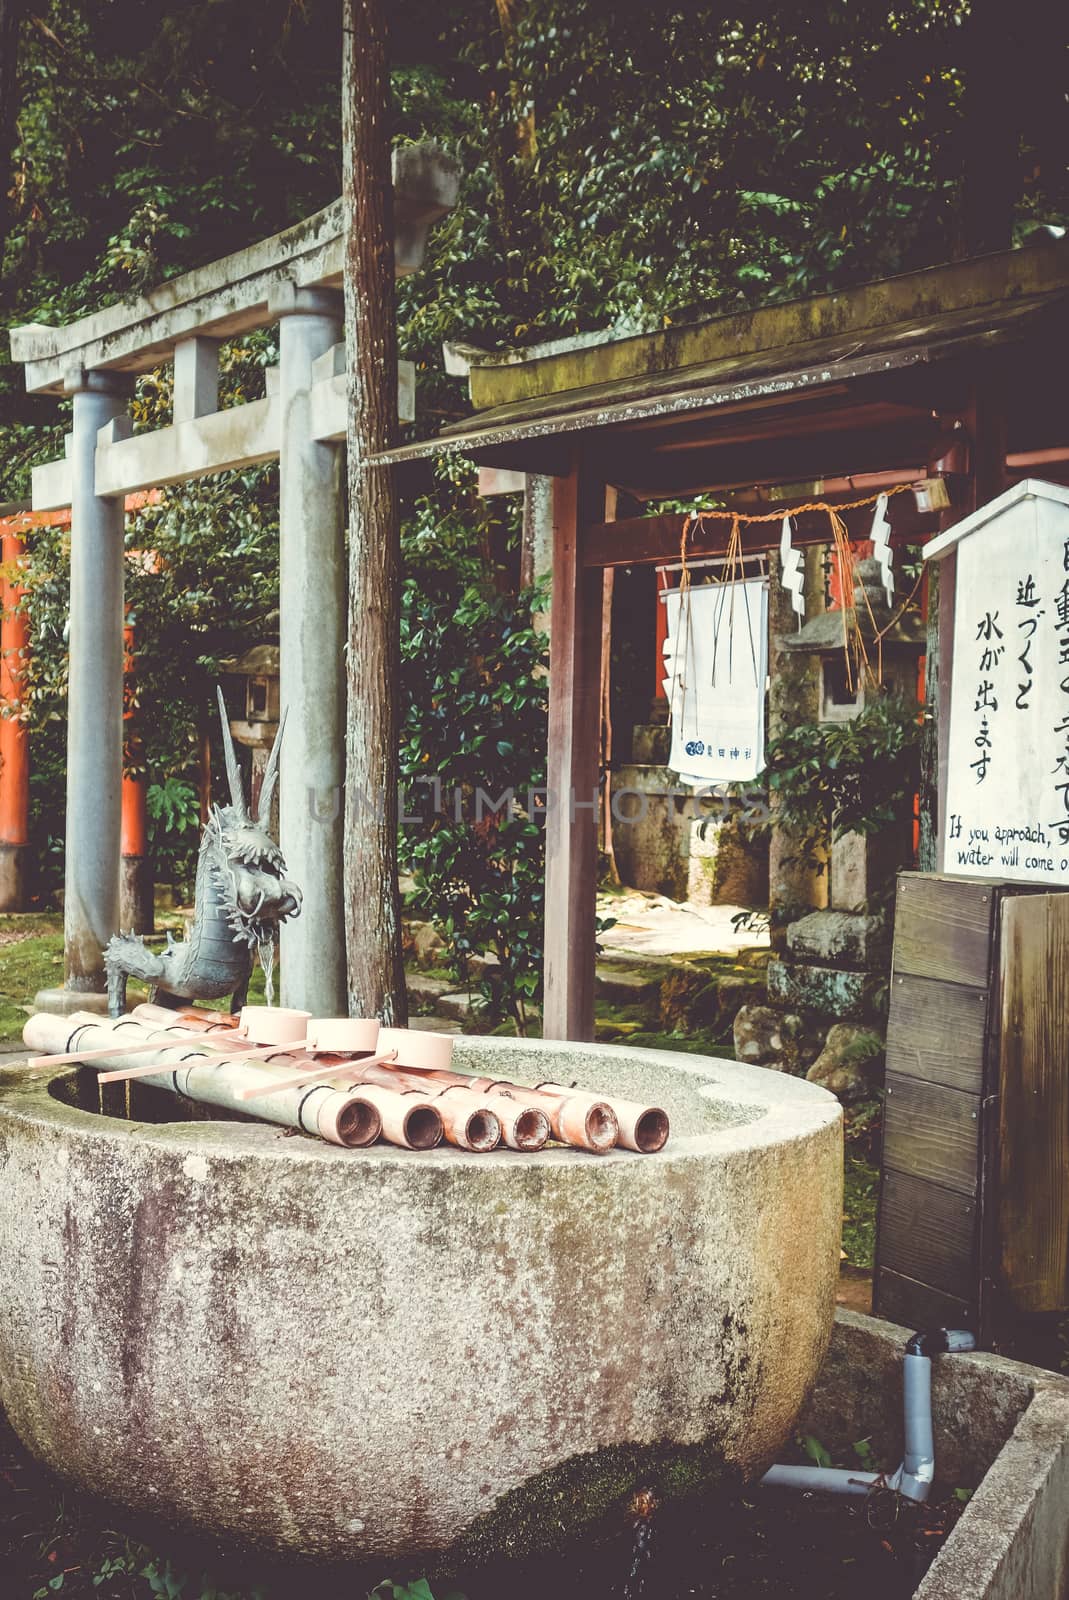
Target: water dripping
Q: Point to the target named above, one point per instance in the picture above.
(266, 953)
(641, 1511)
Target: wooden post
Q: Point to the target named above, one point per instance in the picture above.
(983, 471)
(375, 966)
(615, 504)
(572, 768)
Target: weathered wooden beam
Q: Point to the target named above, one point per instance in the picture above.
(638, 541)
(862, 314)
(572, 765)
(658, 474)
(519, 437)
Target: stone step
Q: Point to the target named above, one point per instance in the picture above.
(460, 1005)
(434, 1025)
(425, 991)
(628, 985)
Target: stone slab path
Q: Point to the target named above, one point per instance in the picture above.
(651, 925)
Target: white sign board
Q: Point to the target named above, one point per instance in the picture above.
(1007, 787)
(716, 664)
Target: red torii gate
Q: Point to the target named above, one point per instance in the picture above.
(136, 900)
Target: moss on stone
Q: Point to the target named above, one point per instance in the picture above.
(586, 1494)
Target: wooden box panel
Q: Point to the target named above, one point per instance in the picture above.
(1032, 1218)
(918, 1305)
(936, 1032)
(943, 928)
(928, 1233)
(932, 1132)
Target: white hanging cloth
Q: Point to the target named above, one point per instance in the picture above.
(881, 548)
(792, 570)
(716, 665)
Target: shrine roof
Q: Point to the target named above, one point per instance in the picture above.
(881, 342)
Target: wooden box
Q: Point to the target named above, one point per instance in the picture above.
(974, 1203)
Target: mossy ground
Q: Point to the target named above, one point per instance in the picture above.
(31, 958)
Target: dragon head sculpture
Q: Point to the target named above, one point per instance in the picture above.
(247, 865)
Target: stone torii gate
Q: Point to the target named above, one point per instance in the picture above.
(295, 279)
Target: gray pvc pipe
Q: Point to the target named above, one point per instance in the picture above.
(820, 1480)
(918, 1465)
(915, 1476)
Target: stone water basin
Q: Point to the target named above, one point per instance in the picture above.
(376, 1354)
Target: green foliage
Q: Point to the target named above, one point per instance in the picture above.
(169, 1583)
(833, 778)
(174, 831)
(860, 1195)
(418, 1589)
(174, 804)
(32, 960)
(816, 1452)
(473, 745)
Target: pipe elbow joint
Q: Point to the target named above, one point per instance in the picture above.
(940, 1341)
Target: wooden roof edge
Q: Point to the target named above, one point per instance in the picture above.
(929, 292)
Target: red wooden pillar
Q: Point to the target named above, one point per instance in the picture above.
(573, 761)
(661, 639)
(135, 884)
(14, 739)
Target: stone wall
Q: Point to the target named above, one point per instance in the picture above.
(662, 846)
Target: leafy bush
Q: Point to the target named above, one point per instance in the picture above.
(833, 778)
(473, 745)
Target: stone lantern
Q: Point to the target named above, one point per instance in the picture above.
(251, 688)
(835, 958)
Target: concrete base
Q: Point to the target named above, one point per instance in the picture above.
(61, 1002)
(14, 862)
(1001, 1430)
(370, 1355)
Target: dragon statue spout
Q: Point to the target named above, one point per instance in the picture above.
(242, 896)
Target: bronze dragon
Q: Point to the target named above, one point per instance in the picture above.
(241, 897)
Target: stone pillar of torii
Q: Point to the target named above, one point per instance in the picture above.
(295, 279)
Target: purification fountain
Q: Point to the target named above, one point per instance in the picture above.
(283, 1333)
(385, 1353)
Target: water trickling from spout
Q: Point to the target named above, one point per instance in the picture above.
(642, 1508)
(641, 1550)
(266, 953)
